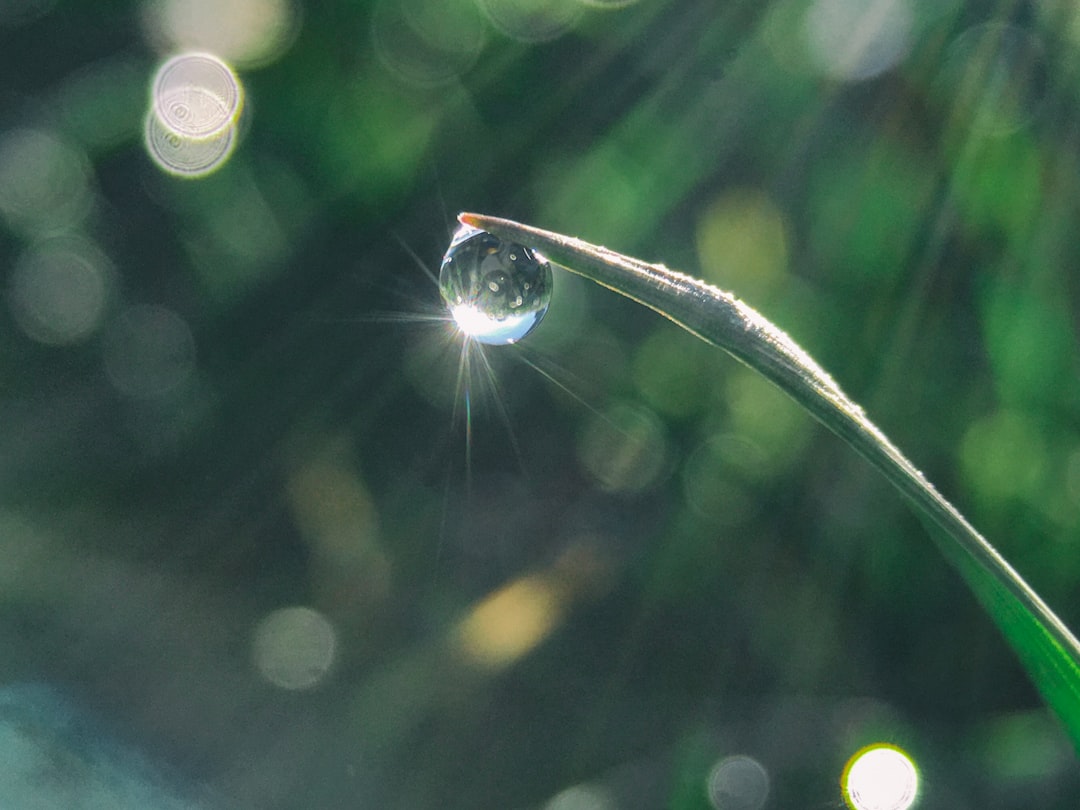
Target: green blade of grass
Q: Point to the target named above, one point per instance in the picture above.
(1045, 646)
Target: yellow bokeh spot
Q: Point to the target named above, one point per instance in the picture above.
(762, 414)
(742, 243)
(1004, 456)
(509, 623)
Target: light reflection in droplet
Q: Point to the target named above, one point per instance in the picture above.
(149, 351)
(738, 783)
(248, 33)
(497, 292)
(58, 290)
(880, 777)
(479, 325)
(852, 40)
(532, 20)
(44, 182)
(294, 647)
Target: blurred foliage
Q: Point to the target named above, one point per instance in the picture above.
(264, 410)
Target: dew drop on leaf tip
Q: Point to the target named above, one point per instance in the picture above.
(496, 291)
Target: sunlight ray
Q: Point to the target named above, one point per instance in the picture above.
(417, 260)
(565, 388)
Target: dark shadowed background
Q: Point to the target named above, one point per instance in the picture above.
(266, 542)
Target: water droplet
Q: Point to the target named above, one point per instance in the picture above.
(496, 291)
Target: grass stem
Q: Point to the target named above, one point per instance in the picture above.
(1046, 647)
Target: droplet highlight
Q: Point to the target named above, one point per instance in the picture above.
(496, 291)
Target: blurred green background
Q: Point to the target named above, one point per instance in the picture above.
(254, 536)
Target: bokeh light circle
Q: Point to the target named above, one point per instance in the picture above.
(582, 797)
(853, 40)
(44, 182)
(149, 351)
(880, 777)
(196, 95)
(186, 157)
(738, 783)
(59, 289)
(743, 243)
(427, 42)
(195, 106)
(249, 33)
(532, 20)
(624, 449)
(294, 647)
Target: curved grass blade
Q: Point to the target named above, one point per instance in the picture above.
(1045, 646)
